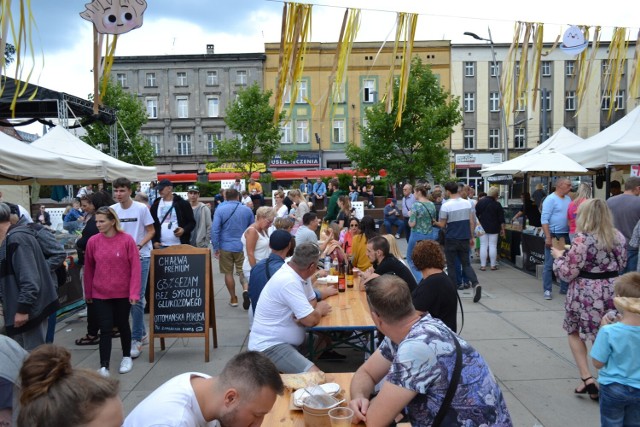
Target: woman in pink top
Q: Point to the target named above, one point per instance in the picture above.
(112, 284)
(583, 193)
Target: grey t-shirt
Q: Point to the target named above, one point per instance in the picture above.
(626, 213)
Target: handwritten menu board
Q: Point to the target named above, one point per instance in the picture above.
(180, 294)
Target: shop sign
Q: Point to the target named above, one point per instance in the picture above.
(302, 160)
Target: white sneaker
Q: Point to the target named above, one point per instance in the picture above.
(547, 295)
(104, 372)
(397, 236)
(126, 365)
(136, 349)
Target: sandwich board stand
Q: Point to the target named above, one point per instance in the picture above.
(181, 296)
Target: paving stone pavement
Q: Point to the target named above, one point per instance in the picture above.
(518, 333)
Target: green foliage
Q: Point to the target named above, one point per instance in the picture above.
(132, 115)
(257, 140)
(9, 52)
(345, 180)
(416, 148)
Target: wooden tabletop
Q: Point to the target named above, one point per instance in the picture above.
(282, 415)
(349, 311)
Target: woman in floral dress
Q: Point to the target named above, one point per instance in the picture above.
(590, 266)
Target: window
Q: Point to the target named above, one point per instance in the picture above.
(285, 132)
(213, 106)
(122, 79)
(241, 77)
(184, 144)
(302, 131)
(302, 92)
(152, 107)
(517, 69)
(570, 100)
(494, 69)
(469, 102)
(369, 90)
(545, 100)
(154, 140)
(494, 102)
(181, 78)
(619, 102)
(150, 80)
(338, 131)
(520, 137)
(572, 129)
(212, 78)
(469, 69)
(606, 100)
(546, 68)
(570, 68)
(606, 67)
(469, 139)
(212, 138)
(182, 105)
(365, 124)
(494, 139)
(521, 102)
(339, 92)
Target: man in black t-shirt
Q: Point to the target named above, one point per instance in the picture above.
(385, 263)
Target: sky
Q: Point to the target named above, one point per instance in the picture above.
(63, 40)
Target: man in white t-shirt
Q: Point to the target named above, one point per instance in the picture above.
(242, 395)
(287, 306)
(137, 222)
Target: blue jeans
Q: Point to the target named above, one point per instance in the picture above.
(462, 278)
(388, 224)
(632, 261)
(353, 196)
(459, 249)
(415, 238)
(619, 405)
(547, 272)
(137, 310)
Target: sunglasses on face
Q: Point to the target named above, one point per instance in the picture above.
(353, 225)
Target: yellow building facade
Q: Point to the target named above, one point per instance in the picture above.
(314, 135)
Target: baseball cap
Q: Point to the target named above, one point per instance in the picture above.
(163, 183)
(15, 210)
(193, 188)
(279, 240)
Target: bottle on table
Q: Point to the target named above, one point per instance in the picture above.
(349, 273)
(342, 285)
(327, 263)
(334, 267)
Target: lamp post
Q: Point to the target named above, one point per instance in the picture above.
(503, 117)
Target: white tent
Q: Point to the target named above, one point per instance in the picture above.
(559, 141)
(619, 144)
(22, 163)
(60, 141)
(544, 162)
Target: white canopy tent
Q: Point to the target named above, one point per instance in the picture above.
(60, 141)
(544, 162)
(559, 141)
(22, 163)
(619, 144)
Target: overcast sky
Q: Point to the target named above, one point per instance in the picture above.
(64, 39)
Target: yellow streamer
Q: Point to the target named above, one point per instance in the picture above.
(634, 80)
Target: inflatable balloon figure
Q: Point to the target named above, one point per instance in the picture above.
(110, 18)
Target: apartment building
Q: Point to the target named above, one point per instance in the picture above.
(313, 136)
(185, 97)
(480, 138)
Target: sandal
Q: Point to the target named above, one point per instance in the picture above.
(483, 268)
(589, 388)
(115, 333)
(494, 268)
(88, 340)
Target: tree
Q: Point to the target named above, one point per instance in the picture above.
(416, 148)
(131, 113)
(250, 118)
(9, 52)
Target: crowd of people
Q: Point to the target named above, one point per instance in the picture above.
(278, 254)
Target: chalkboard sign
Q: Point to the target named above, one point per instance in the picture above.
(180, 295)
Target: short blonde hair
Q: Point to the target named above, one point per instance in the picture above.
(265, 212)
(493, 192)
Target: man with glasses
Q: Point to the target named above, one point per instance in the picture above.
(287, 306)
(136, 221)
(408, 200)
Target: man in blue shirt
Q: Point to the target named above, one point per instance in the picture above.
(555, 226)
(319, 191)
(306, 187)
(229, 223)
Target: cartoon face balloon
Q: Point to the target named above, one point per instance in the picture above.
(573, 41)
(115, 16)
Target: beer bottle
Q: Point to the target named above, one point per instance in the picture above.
(341, 278)
(349, 273)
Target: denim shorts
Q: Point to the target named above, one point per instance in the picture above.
(619, 405)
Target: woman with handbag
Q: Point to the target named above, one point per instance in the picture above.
(590, 266)
(421, 219)
(491, 223)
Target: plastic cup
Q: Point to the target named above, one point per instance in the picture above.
(340, 417)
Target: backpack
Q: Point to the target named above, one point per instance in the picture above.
(51, 248)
